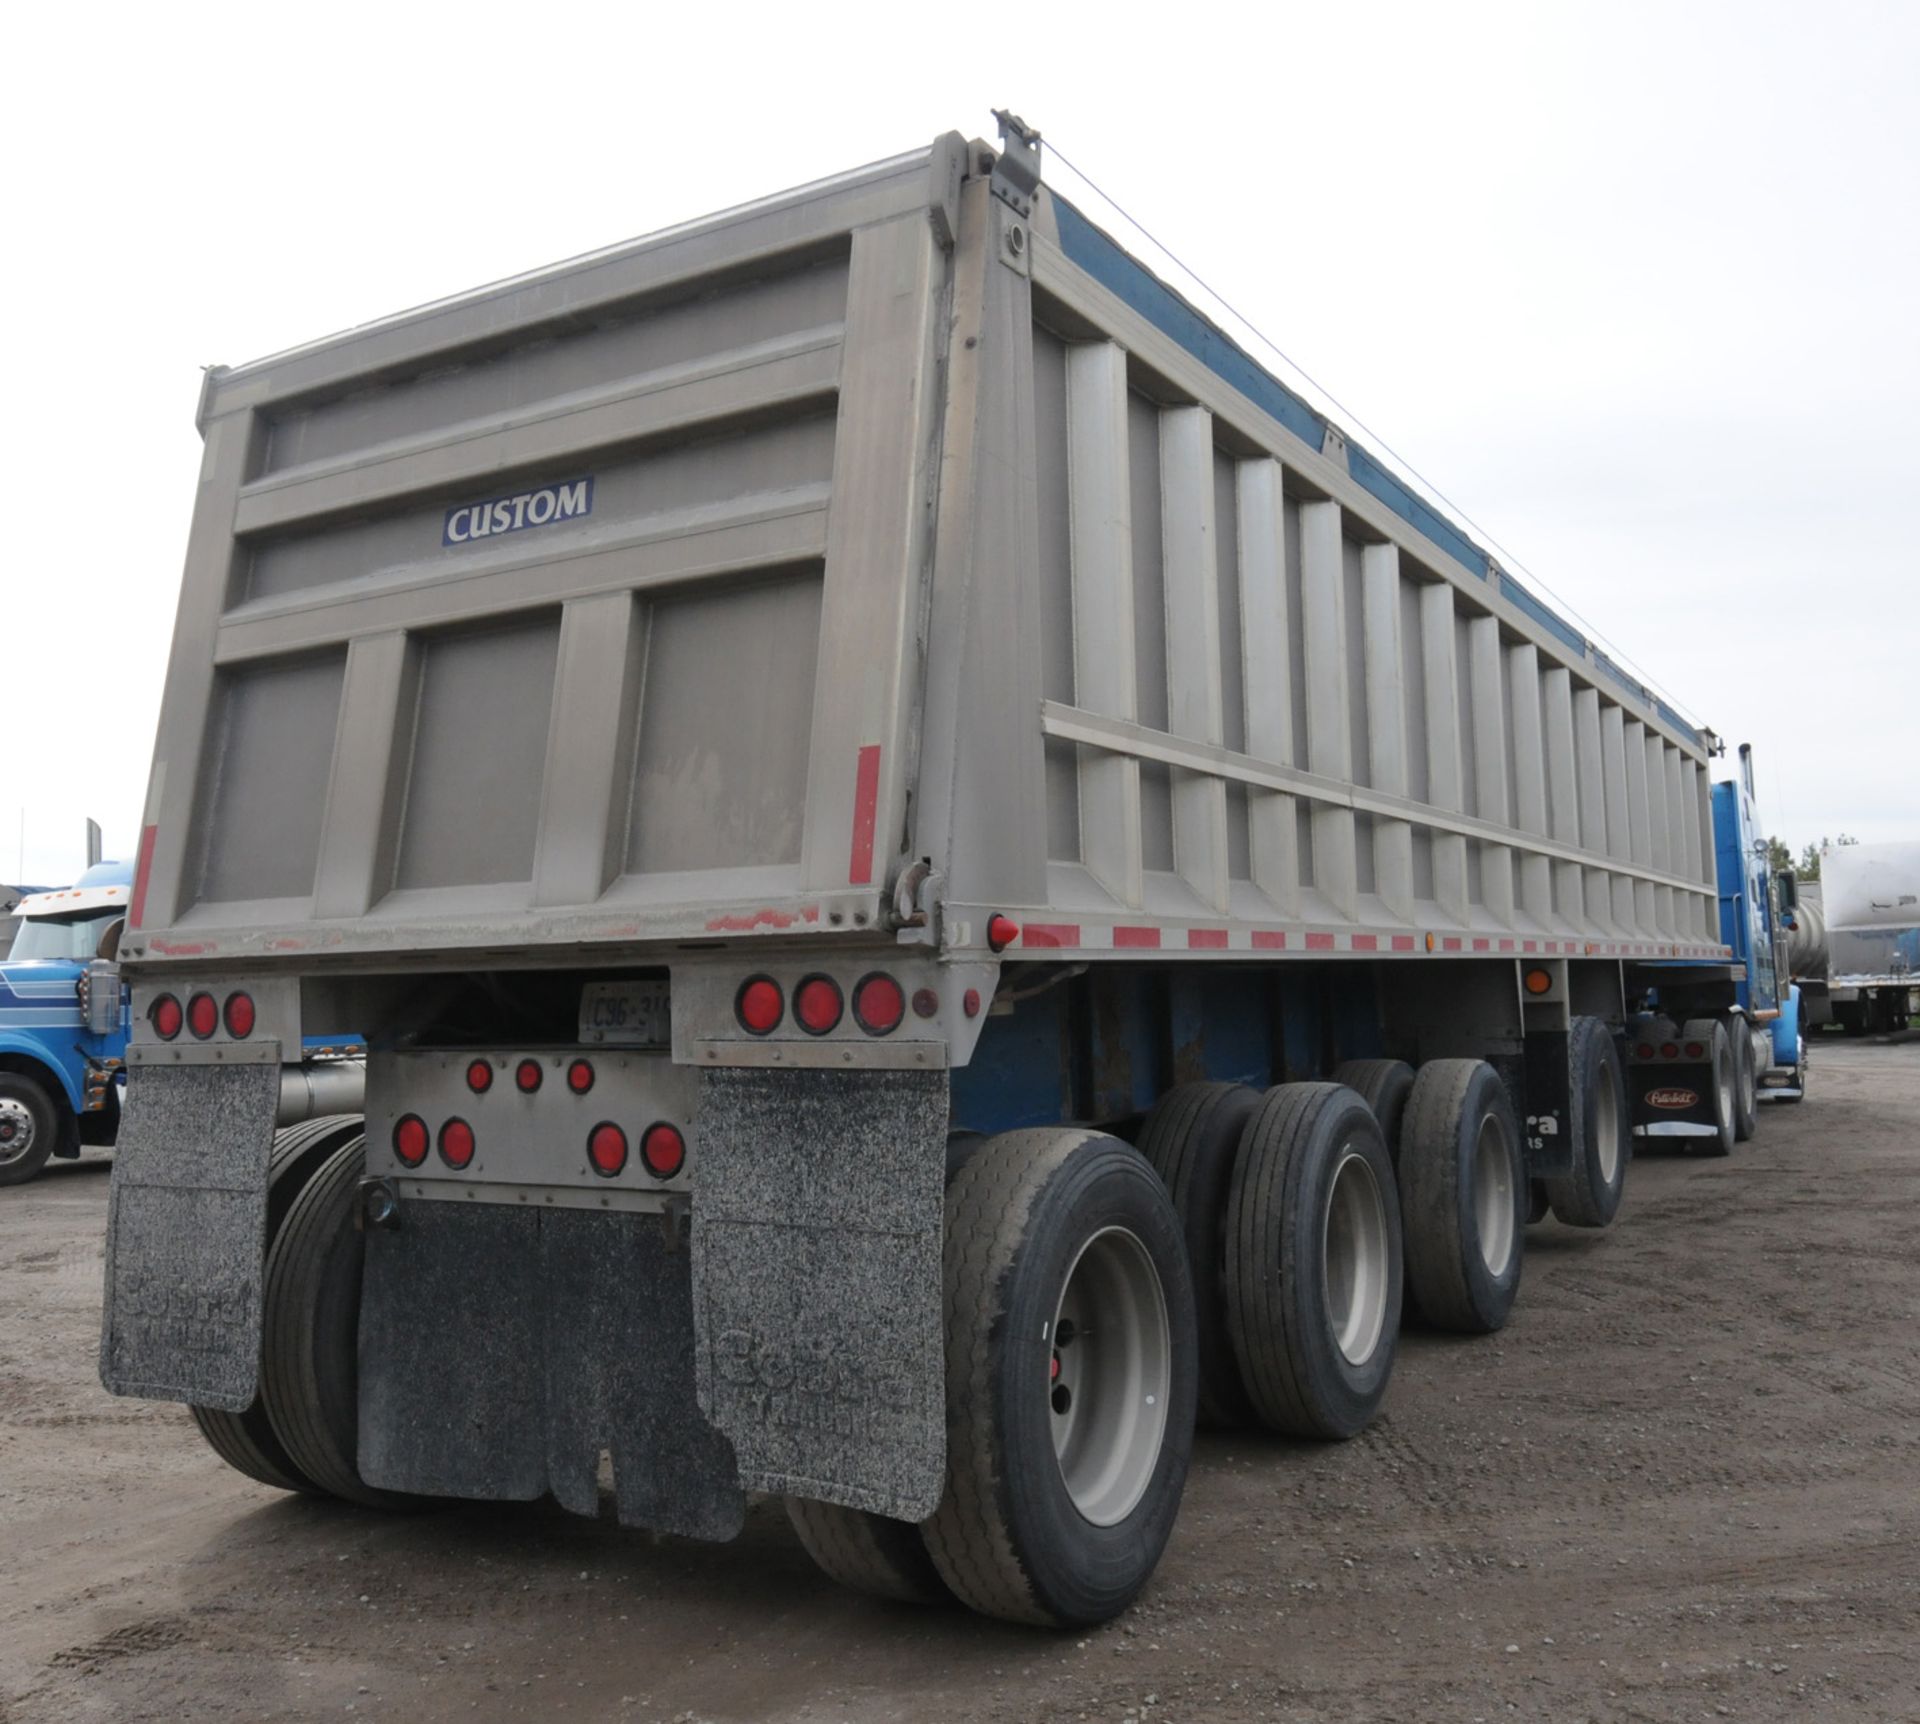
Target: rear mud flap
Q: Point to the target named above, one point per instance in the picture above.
(504, 1351)
(186, 1234)
(817, 1213)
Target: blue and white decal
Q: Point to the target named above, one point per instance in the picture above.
(570, 500)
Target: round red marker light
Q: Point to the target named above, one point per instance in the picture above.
(1002, 931)
(663, 1150)
(203, 1015)
(759, 1005)
(1696, 1050)
(479, 1076)
(526, 1076)
(817, 1004)
(607, 1149)
(878, 1004)
(970, 1002)
(926, 1003)
(410, 1140)
(580, 1076)
(456, 1143)
(1669, 1050)
(239, 1016)
(165, 1016)
(1644, 1050)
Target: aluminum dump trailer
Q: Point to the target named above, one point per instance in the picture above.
(937, 872)
(1867, 903)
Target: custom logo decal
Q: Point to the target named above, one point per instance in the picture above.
(1672, 1098)
(570, 500)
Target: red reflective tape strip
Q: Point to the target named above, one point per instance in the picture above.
(1143, 937)
(1319, 942)
(1269, 939)
(1450, 942)
(1483, 945)
(142, 868)
(1532, 946)
(1506, 945)
(1207, 939)
(866, 804)
(1366, 942)
(1403, 942)
(1049, 934)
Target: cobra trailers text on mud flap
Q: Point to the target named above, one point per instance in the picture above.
(940, 879)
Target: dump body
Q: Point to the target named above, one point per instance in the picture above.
(693, 588)
(1866, 904)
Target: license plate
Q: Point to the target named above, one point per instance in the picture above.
(625, 1014)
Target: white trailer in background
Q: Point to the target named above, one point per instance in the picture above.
(1857, 960)
(936, 871)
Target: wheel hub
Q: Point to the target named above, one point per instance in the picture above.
(1108, 1376)
(16, 1130)
(1354, 1258)
(1493, 1195)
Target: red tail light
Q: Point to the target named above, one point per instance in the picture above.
(607, 1149)
(203, 1015)
(1669, 1050)
(165, 1016)
(1696, 1050)
(817, 1004)
(759, 1005)
(526, 1076)
(580, 1076)
(479, 1076)
(410, 1140)
(239, 1016)
(926, 1003)
(878, 1004)
(456, 1143)
(1644, 1051)
(663, 1150)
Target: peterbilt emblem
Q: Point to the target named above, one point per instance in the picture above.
(1672, 1098)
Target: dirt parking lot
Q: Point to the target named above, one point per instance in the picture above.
(1683, 1484)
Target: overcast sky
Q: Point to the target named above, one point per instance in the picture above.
(1637, 286)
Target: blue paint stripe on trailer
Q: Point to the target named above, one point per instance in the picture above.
(1136, 286)
(1373, 478)
(1554, 625)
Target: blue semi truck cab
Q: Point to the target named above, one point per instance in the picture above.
(63, 1023)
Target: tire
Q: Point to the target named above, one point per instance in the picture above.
(1050, 1516)
(1724, 1087)
(1463, 1187)
(1191, 1139)
(246, 1441)
(1746, 1106)
(1314, 1261)
(1589, 1193)
(868, 1552)
(1384, 1086)
(309, 1364)
(29, 1128)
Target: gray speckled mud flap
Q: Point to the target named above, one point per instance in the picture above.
(186, 1234)
(504, 1350)
(816, 1278)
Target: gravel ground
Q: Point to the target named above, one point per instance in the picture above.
(1683, 1484)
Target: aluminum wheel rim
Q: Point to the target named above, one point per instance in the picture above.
(1723, 1087)
(1493, 1195)
(1353, 1257)
(16, 1131)
(1606, 1129)
(1110, 1369)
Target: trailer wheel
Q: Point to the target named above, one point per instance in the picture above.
(1384, 1086)
(246, 1440)
(1463, 1185)
(1746, 1081)
(309, 1357)
(1070, 1378)
(1191, 1138)
(1725, 1088)
(28, 1128)
(1589, 1194)
(1313, 1261)
(868, 1552)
